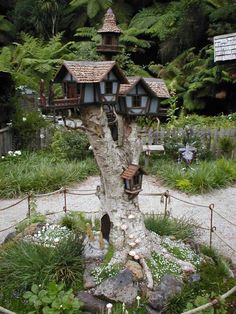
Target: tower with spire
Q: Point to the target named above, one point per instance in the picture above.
(110, 33)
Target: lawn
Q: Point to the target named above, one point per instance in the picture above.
(41, 172)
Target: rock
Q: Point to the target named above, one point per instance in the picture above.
(151, 310)
(136, 270)
(91, 303)
(168, 287)
(119, 288)
(92, 249)
(88, 278)
(10, 237)
(30, 230)
(194, 278)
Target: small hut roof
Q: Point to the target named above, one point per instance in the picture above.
(109, 24)
(129, 172)
(134, 80)
(158, 86)
(89, 71)
(155, 86)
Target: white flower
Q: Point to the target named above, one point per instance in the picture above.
(18, 152)
(42, 136)
(109, 307)
(24, 119)
(56, 240)
(10, 153)
(3, 157)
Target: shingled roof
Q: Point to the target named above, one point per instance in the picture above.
(109, 24)
(156, 86)
(129, 172)
(89, 71)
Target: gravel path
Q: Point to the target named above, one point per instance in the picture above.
(224, 201)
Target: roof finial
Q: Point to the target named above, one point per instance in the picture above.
(109, 24)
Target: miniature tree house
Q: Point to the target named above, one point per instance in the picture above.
(110, 33)
(133, 179)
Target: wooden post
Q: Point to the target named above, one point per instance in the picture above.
(212, 228)
(29, 207)
(64, 208)
(166, 194)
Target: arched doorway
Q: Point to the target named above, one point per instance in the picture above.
(105, 226)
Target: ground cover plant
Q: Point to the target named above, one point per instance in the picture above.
(28, 262)
(39, 172)
(202, 178)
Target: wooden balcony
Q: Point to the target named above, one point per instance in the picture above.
(109, 48)
(59, 103)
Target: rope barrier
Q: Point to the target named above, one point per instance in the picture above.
(224, 242)
(7, 207)
(13, 225)
(50, 193)
(70, 193)
(54, 213)
(82, 190)
(194, 204)
(151, 194)
(230, 222)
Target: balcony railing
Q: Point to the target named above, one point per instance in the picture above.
(59, 103)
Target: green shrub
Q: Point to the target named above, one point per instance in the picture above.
(204, 177)
(38, 172)
(70, 144)
(52, 299)
(26, 126)
(35, 218)
(181, 228)
(75, 221)
(24, 264)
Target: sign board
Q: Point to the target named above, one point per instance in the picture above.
(225, 47)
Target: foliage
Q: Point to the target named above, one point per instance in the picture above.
(34, 218)
(40, 173)
(204, 177)
(203, 122)
(24, 264)
(32, 59)
(74, 221)
(227, 145)
(52, 300)
(180, 228)
(26, 126)
(161, 266)
(194, 77)
(49, 235)
(214, 281)
(105, 271)
(181, 251)
(70, 145)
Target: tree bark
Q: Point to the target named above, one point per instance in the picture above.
(128, 234)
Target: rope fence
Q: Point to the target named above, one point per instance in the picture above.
(165, 198)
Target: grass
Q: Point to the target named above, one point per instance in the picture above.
(40, 173)
(24, 264)
(204, 177)
(180, 228)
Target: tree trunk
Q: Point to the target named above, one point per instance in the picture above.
(128, 234)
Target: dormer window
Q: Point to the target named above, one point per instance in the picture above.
(136, 101)
(108, 88)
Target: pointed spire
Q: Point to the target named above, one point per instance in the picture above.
(109, 24)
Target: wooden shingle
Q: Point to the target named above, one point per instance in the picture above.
(89, 71)
(109, 24)
(130, 172)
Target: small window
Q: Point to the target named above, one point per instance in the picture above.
(136, 180)
(108, 87)
(136, 101)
